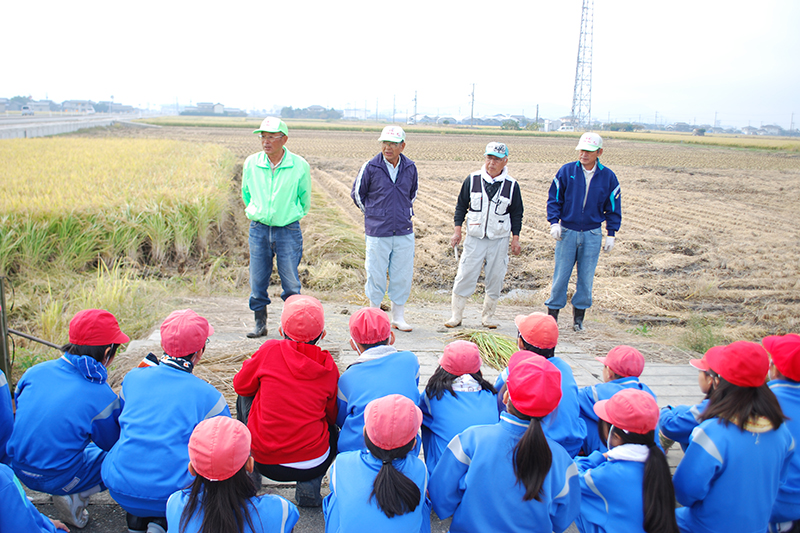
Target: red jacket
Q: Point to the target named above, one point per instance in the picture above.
(295, 386)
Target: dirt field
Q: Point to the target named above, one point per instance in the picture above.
(709, 235)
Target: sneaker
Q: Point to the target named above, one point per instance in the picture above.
(72, 510)
(153, 527)
(136, 524)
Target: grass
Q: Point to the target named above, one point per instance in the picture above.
(702, 333)
(495, 350)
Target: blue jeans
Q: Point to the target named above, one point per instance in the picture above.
(583, 248)
(286, 244)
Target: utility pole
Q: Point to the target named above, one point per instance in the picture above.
(415, 107)
(472, 108)
(394, 106)
(715, 119)
(376, 110)
(582, 94)
(791, 123)
(537, 115)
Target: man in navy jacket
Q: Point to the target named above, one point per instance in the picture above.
(385, 190)
(583, 195)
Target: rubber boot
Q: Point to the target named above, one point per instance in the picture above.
(577, 318)
(487, 316)
(458, 304)
(398, 322)
(553, 313)
(307, 494)
(261, 324)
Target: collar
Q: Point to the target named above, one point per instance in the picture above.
(386, 161)
(513, 424)
(376, 352)
(629, 452)
(263, 160)
(88, 367)
(488, 179)
(179, 363)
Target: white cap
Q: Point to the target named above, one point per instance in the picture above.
(393, 134)
(496, 149)
(591, 142)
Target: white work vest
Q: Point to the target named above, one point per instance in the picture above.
(488, 217)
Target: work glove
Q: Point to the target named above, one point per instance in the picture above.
(555, 231)
(609, 244)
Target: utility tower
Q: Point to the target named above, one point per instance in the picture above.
(582, 95)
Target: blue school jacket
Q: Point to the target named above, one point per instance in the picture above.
(6, 418)
(394, 373)
(564, 425)
(270, 513)
(17, 513)
(474, 482)
(611, 495)
(728, 479)
(677, 423)
(787, 503)
(149, 462)
(444, 419)
(588, 396)
(349, 509)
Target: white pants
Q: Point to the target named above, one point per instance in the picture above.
(489, 254)
(394, 255)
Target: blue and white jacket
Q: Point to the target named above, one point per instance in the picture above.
(163, 404)
(62, 406)
(350, 509)
(17, 513)
(444, 419)
(567, 191)
(728, 479)
(588, 396)
(564, 425)
(474, 482)
(787, 503)
(387, 206)
(6, 418)
(378, 372)
(270, 513)
(677, 423)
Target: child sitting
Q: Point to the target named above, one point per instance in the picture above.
(627, 488)
(67, 417)
(222, 497)
(381, 488)
(621, 370)
(379, 370)
(6, 418)
(17, 513)
(455, 398)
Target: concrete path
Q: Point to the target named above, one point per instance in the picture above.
(672, 384)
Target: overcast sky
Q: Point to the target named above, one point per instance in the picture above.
(681, 60)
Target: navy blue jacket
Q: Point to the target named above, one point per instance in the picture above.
(565, 200)
(387, 207)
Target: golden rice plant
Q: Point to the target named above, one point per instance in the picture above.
(495, 349)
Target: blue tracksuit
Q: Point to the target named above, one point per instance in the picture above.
(444, 419)
(364, 381)
(564, 425)
(677, 423)
(787, 503)
(474, 482)
(270, 513)
(565, 200)
(728, 479)
(6, 418)
(17, 513)
(588, 396)
(149, 462)
(349, 509)
(66, 417)
(611, 495)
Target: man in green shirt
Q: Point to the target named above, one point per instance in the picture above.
(276, 189)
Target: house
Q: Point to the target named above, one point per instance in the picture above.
(3, 104)
(77, 106)
(772, 129)
(749, 130)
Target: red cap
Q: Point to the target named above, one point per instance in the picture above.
(742, 363)
(392, 421)
(785, 352)
(630, 409)
(184, 332)
(702, 364)
(219, 447)
(95, 327)
(370, 325)
(624, 361)
(461, 357)
(538, 329)
(534, 385)
(302, 318)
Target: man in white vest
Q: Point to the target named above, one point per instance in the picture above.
(491, 203)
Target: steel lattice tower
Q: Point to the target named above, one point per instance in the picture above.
(582, 95)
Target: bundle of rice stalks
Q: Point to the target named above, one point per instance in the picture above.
(495, 350)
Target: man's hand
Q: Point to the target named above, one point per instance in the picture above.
(609, 244)
(555, 231)
(455, 240)
(515, 247)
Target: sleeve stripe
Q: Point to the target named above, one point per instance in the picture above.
(357, 186)
(695, 412)
(702, 439)
(105, 413)
(590, 483)
(284, 514)
(218, 408)
(340, 395)
(456, 449)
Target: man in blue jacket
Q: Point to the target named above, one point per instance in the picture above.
(583, 195)
(385, 190)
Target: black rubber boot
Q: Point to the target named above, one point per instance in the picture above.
(261, 325)
(577, 318)
(553, 313)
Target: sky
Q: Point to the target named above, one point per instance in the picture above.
(679, 61)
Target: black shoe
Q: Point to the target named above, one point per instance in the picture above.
(261, 325)
(307, 493)
(136, 524)
(577, 318)
(553, 313)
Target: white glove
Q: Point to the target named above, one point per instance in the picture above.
(555, 231)
(609, 244)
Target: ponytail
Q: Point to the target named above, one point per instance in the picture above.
(224, 504)
(532, 457)
(441, 381)
(394, 492)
